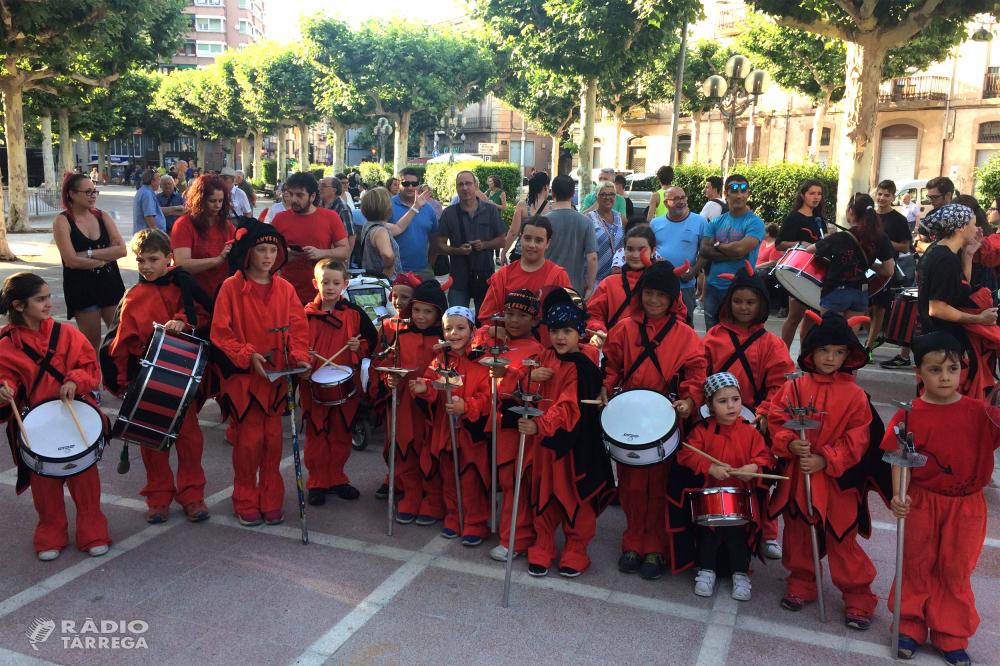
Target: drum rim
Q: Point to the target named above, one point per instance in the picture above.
(354, 390)
(608, 445)
(43, 458)
(648, 445)
(350, 373)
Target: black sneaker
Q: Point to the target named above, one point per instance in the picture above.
(345, 491)
(896, 362)
(317, 496)
(855, 621)
(382, 492)
(568, 572)
(652, 566)
(629, 562)
(537, 570)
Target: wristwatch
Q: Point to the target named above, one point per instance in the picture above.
(717, 243)
(90, 253)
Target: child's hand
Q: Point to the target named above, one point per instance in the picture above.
(799, 447)
(542, 374)
(498, 372)
(418, 386)
(812, 463)
(684, 407)
(67, 391)
(598, 339)
(174, 326)
(6, 393)
(761, 422)
(603, 396)
(257, 363)
(456, 407)
(391, 380)
(305, 364)
(526, 426)
(743, 471)
(354, 344)
(899, 509)
(498, 332)
(720, 472)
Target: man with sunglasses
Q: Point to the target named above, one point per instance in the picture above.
(418, 241)
(729, 239)
(678, 236)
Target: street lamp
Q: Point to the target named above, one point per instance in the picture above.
(451, 126)
(732, 94)
(382, 131)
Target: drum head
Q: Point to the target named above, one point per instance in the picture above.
(638, 416)
(330, 375)
(52, 433)
(744, 412)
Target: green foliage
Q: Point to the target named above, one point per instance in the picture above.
(257, 184)
(371, 173)
(204, 100)
(441, 177)
(550, 102)
(275, 83)
(270, 168)
(987, 179)
(702, 60)
(318, 172)
(508, 214)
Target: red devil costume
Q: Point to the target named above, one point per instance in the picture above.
(840, 510)
(512, 277)
(946, 526)
(174, 296)
(328, 428)
(245, 313)
(36, 365)
(571, 477)
(610, 301)
(663, 355)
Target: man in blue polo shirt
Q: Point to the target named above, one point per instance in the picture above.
(678, 238)
(146, 213)
(418, 242)
(729, 239)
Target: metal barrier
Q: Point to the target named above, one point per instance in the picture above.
(40, 201)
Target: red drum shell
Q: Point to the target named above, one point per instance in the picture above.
(802, 275)
(721, 507)
(332, 386)
(902, 319)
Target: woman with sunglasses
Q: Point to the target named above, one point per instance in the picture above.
(89, 245)
(608, 228)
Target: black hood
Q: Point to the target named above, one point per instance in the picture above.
(832, 329)
(745, 278)
(251, 232)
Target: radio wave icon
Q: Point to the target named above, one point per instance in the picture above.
(39, 631)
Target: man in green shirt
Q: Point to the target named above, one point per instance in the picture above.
(590, 201)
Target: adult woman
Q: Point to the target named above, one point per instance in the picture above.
(284, 204)
(496, 196)
(380, 254)
(803, 225)
(766, 260)
(203, 236)
(983, 275)
(851, 253)
(90, 245)
(392, 185)
(607, 227)
(538, 192)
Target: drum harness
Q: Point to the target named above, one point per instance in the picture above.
(649, 352)
(43, 362)
(739, 354)
(625, 303)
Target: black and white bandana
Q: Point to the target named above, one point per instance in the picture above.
(947, 219)
(717, 382)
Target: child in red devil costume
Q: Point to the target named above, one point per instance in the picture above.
(728, 438)
(470, 408)
(611, 298)
(571, 477)
(171, 297)
(250, 304)
(945, 509)
(652, 349)
(521, 311)
(740, 345)
(40, 360)
(830, 353)
(334, 322)
(420, 497)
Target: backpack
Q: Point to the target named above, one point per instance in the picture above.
(725, 206)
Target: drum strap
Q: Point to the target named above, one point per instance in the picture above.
(44, 363)
(628, 299)
(649, 350)
(739, 354)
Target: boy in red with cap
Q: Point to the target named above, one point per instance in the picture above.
(251, 304)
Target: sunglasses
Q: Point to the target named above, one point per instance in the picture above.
(738, 187)
(410, 183)
(607, 194)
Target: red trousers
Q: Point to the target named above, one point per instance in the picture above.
(422, 497)
(326, 453)
(643, 494)
(944, 537)
(525, 533)
(160, 489)
(768, 528)
(574, 553)
(258, 485)
(52, 532)
(475, 503)
(850, 568)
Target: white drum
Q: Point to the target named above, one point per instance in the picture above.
(640, 428)
(333, 385)
(744, 412)
(57, 450)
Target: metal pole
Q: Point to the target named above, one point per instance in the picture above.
(678, 85)
(493, 496)
(751, 129)
(513, 520)
(897, 597)
(295, 436)
(392, 458)
(815, 542)
(454, 457)
(523, 125)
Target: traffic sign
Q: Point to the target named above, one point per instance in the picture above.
(436, 152)
(489, 148)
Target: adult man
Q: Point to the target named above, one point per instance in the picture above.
(911, 210)
(897, 228)
(678, 238)
(574, 243)
(329, 196)
(240, 203)
(469, 232)
(590, 201)
(713, 192)
(311, 233)
(620, 191)
(146, 213)
(170, 200)
(354, 184)
(729, 239)
(246, 188)
(479, 193)
(190, 170)
(940, 190)
(418, 247)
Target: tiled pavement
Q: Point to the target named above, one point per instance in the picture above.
(219, 593)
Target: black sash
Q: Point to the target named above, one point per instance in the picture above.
(739, 353)
(44, 363)
(649, 351)
(621, 308)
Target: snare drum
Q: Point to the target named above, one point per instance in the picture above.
(721, 507)
(745, 413)
(802, 275)
(332, 385)
(903, 319)
(158, 400)
(57, 450)
(640, 428)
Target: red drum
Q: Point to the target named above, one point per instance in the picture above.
(158, 400)
(877, 283)
(332, 385)
(802, 275)
(903, 319)
(721, 507)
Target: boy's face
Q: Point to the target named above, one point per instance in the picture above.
(534, 242)
(519, 323)
(153, 265)
(633, 252)
(726, 405)
(457, 331)
(939, 374)
(263, 256)
(401, 296)
(655, 302)
(423, 315)
(828, 359)
(331, 284)
(565, 340)
(746, 306)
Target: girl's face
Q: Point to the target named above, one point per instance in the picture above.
(401, 295)
(565, 340)
(534, 242)
(423, 315)
(331, 285)
(457, 331)
(813, 195)
(655, 302)
(745, 305)
(519, 323)
(37, 308)
(633, 252)
(726, 405)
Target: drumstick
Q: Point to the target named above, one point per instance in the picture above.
(79, 427)
(592, 402)
(719, 462)
(20, 423)
(329, 361)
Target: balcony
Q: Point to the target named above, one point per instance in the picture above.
(732, 17)
(991, 86)
(914, 88)
(480, 123)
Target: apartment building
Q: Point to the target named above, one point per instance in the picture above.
(214, 27)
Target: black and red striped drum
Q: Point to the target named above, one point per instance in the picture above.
(903, 318)
(158, 400)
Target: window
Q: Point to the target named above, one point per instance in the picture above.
(243, 4)
(187, 49)
(244, 28)
(210, 49)
(210, 24)
(191, 22)
(989, 132)
(824, 138)
(636, 159)
(209, 3)
(639, 184)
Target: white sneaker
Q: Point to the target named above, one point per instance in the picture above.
(97, 551)
(771, 549)
(48, 555)
(704, 583)
(499, 553)
(741, 587)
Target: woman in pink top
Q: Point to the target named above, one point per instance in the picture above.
(766, 259)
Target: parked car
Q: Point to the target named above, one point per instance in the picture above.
(639, 187)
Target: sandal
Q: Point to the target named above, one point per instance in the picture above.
(157, 514)
(197, 511)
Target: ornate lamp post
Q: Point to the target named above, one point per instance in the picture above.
(732, 95)
(451, 126)
(382, 132)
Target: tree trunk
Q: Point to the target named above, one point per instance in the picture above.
(163, 153)
(818, 122)
(588, 115)
(231, 153)
(339, 134)
(5, 253)
(401, 140)
(865, 60)
(696, 139)
(258, 159)
(66, 161)
(199, 147)
(48, 164)
(107, 160)
(303, 146)
(619, 121)
(245, 154)
(554, 167)
(101, 164)
(17, 161)
(282, 149)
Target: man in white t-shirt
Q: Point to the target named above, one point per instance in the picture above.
(911, 210)
(712, 192)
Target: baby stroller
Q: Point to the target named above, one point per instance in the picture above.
(371, 294)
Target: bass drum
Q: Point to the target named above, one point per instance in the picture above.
(802, 275)
(640, 428)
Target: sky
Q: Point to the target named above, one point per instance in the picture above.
(283, 15)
